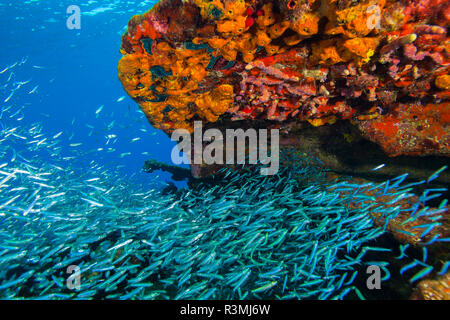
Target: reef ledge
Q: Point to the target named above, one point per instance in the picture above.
(381, 65)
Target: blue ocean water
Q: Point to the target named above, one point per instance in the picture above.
(73, 194)
(76, 71)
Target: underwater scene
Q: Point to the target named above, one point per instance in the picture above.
(225, 150)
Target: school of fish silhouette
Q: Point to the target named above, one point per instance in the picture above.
(303, 233)
(300, 234)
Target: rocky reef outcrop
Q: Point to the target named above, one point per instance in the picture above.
(382, 66)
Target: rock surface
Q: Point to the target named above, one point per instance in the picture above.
(382, 65)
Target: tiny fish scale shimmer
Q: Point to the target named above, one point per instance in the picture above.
(247, 237)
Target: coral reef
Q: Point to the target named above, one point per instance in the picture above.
(380, 67)
(411, 129)
(434, 289)
(381, 64)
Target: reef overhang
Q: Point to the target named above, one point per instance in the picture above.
(382, 66)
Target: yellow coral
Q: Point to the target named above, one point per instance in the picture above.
(213, 104)
(234, 8)
(351, 21)
(262, 39)
(214, 43)
(360, 49)
(187, 68)
(293, 40)
(307, 24)
(232, 27)
(268, 17)
(229, 29)
(326, 52)
(271, 49)
(129, 67)
(278, 29)
(443, 82)
(206, 7)
(246, 42)
(322, 121)
(229, 51)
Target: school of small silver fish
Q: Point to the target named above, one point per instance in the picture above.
(247, 236)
